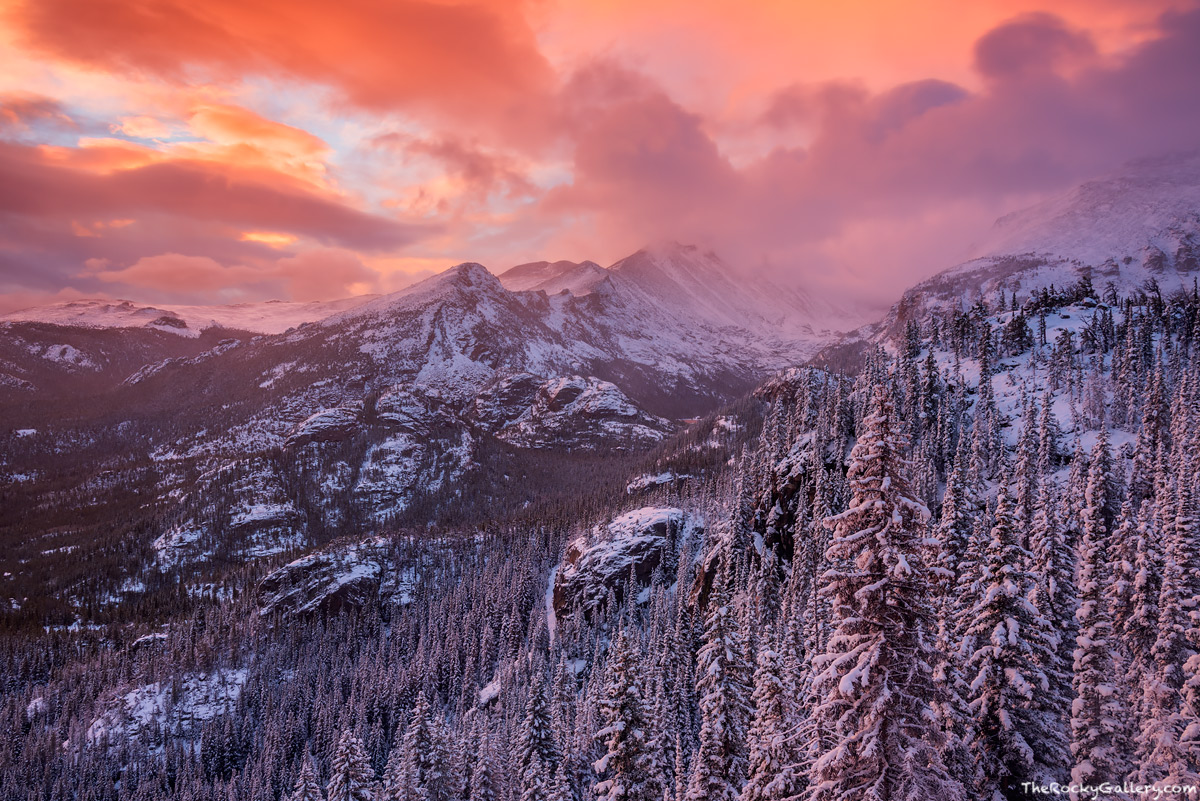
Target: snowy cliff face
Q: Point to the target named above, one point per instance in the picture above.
(603, 561)
(1138, 225)
(334, 580)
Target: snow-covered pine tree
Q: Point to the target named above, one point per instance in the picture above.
(1097, 713)
(1017, 730)
(876, 678)
(1122, 555)
(483, 776)
(624, 732)
(536, 735)
(307, 788)
(1055, 595)
(535, 779)
(424, 756)
(350, 774)
(1141, 629)
(394, 782)
(771, 768)
(723, 687)
(1164, 753)
(953, 529)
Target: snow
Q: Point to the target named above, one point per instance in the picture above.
(548, 600)
(169, 546)
(490, 692)
(270, 317)
(66, 355)
(1145, 203)
(647, 481)
(158, 636)
(603, 559)
(554, 277)
(200, 697)
(25, 432)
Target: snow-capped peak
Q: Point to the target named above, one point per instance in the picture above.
(554, 277)
(269, 317)
(1148, 203)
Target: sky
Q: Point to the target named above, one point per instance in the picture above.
(169, 151)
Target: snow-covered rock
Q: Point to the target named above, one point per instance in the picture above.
(603, 560)
(340, 578)
(585, 413)
(162, 706)
(650, 481)
(327, 425)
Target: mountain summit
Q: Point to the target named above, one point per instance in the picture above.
(1140, 224)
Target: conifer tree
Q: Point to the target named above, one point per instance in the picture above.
(1055, 595)
(1097, 713)
(1015, 719)
(483, 777)
(770, 768)
(875, 679)
(722, 684)
(1163, 744)
(351, 777)
(307, 788)
(624, 731)
(536, 733)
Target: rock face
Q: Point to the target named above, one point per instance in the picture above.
(636, 542)
(328, 581)
(327, 425)
(583, 413)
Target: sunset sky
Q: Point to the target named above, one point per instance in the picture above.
(229, 150)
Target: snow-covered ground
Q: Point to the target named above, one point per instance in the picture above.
(193, 699)
(269, 317)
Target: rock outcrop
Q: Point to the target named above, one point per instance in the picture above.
(633, 544)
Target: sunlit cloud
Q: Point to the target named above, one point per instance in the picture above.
(853, 147)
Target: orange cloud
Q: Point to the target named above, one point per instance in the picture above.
(469, 60)
(227, 124)
(311, 275)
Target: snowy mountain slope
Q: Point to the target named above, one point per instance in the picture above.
(270, 317)
(554, 277)
(40, 362)
(1153, 203)
(1141, 224)
(259, 445)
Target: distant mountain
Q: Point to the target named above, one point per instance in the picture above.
(261, 442)
(269, 317)
(554, 277)
(1137, 225)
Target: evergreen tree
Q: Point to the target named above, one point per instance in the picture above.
(1017, 729)
(771, 770)
(351, 777)
(307, 788)
(876, 677)
(722, 684)
(536, 735)
(535, 779)
(1097, 713)
(483, 777)
(1055, 596)
(624, 731)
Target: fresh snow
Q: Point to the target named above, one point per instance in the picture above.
(199, 697)
(270, 317)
